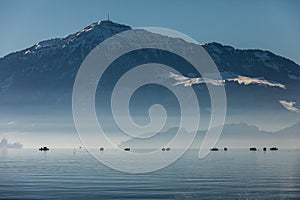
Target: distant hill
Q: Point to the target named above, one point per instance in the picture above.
(233, 135)
(4, 144)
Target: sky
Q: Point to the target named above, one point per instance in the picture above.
(268, 25)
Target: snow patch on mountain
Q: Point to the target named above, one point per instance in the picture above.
(27, 52)
(88, 37)
(6, 83)
(263, 56)
(293, 77)
(86, 29)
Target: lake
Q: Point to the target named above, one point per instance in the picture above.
(235, 174)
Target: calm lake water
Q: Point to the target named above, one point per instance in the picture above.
(235, 174)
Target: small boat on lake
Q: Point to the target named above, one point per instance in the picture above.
(168, 149)
(253, 149)
(101, 149)
(264, 149)
(44, 149)
(273, 149)
(127, 149)
(214, 149)
(163, 149)
(225, 149)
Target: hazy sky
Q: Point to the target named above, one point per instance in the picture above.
(270, 25)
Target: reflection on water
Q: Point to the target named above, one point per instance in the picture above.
(65, 174)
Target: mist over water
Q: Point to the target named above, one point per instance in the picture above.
(60, 132)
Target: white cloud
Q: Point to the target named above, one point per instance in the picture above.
(289, 105)
(260, 81)
(182, 80)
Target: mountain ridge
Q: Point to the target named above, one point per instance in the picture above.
(245, 134)
(42, 75)
(212, 47)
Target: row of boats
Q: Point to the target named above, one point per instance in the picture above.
(264, 149)
(251, 149)
(168, 149)
(101, 149)
(128, 149)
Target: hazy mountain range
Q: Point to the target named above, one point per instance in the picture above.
(234, 136)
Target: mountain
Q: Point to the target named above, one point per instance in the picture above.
(39, 80)
(239, 135)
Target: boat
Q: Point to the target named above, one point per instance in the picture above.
(168, 149)
(214, 149)
(127, 149)
(273, 149)
(264, 149)
(101, 149)
(163, 149)
(253, 149)
(44, 149)
(225, 149)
